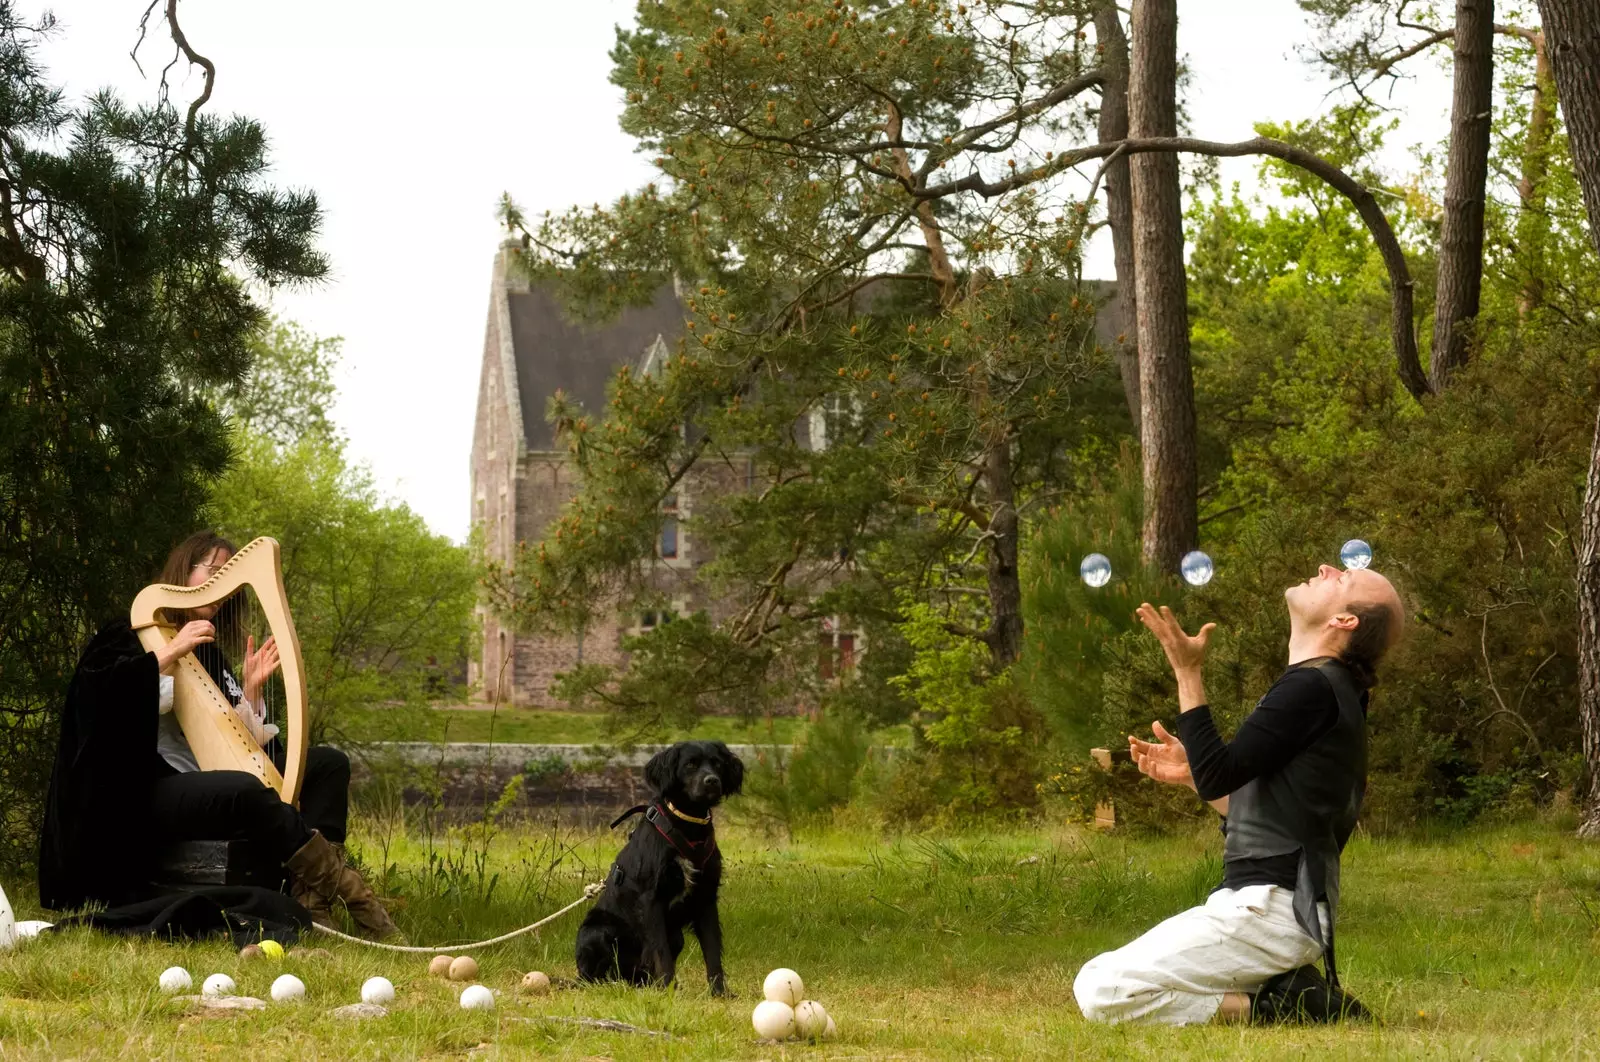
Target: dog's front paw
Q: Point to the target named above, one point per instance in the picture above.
(720, 990)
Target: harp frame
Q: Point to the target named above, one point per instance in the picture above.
(217, 737)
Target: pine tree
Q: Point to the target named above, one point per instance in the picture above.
(863, 255)
(129, 236)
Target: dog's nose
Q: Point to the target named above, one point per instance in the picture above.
(713, 783)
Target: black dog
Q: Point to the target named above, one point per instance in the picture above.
(666, 877)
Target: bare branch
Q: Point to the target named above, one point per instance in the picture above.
(197, 59)
(1400, 282)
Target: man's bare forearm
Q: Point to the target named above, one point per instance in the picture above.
(1221, 806)
(1191, 689)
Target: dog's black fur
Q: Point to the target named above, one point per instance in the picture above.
(634, 932)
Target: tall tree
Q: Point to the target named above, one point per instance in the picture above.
(128, 240)
(1166, 382)
(1572, 37)
(1466, 179)
(883, 241)
(1112, 44)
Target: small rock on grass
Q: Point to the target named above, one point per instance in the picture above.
(224, 1002)
(360, 1010)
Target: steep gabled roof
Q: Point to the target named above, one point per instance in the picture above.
(545, 351)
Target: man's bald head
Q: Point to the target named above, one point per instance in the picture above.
(1357, 615)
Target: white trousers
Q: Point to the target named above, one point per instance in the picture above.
(1178, 972)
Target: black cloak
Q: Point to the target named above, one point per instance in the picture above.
(95, 844)
(96, 847)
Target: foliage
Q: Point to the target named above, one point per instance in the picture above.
(879, 363)
(1083, 641)
(383, 606)
(979, 750)
(128, 242)
(289, 394)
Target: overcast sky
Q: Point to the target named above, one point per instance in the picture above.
(410, 119)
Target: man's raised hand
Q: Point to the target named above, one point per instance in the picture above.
(1184, 652)
(1165, 759)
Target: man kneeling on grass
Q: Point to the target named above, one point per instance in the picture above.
(1289, 787)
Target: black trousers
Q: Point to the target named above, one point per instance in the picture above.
(235, 806)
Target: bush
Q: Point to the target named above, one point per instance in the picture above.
(980, 735)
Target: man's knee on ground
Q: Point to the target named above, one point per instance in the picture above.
(1100, 992)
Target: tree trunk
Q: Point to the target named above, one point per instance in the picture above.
(1572, 37)
(938, 261)
(1465, 179)
(1119, 202)
(1533, 226)
(1004, 635)
(1166, 386)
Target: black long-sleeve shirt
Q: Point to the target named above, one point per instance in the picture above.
(1297, 711)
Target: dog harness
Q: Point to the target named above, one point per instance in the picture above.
(697, 853)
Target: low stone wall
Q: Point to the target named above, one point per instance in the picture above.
(585, 782)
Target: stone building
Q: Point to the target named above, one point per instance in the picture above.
(522, 476)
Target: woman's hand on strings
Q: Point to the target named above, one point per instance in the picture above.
(1184, 652)
(253, 715)
(259, 665)
(1165, 759)
(191, 634)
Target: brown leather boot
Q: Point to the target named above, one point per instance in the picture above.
(363, 906)
(317, 902)
(319, 906)
(319, 874)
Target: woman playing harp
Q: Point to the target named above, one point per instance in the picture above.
(126, 781)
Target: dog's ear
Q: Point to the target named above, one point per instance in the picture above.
(662, 770)
(731, 768)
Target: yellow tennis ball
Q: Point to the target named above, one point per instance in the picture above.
(271, 949)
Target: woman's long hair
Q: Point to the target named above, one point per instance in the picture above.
(181, 561)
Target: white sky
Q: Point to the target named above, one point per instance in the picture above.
(409, 119)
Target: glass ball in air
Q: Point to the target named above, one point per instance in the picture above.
(1197, 568)
(1355, 554)
(1096, 569)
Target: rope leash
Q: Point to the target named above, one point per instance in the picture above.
(590, 891)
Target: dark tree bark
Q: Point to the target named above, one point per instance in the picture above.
(1466, 178)
(1166, 385)
(1572, 38)
(1533, 226)
(1119, 201)
(1004, 635)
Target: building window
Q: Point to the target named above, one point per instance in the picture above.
(836, 651)
(669, 528)
(834, 420)
(649, 621)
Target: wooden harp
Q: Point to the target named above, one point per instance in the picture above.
(215, 733)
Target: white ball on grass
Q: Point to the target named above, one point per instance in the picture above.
(810, 1020)
(175, 979)
(784, 986)
(379, 990)
(8, 923)
(218, 984)
(773, 1019)
(288, 987)
(477, 997)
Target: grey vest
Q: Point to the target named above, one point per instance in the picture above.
(1310, 807)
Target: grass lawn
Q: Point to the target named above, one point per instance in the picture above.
(1476, 945)
(541, 727)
